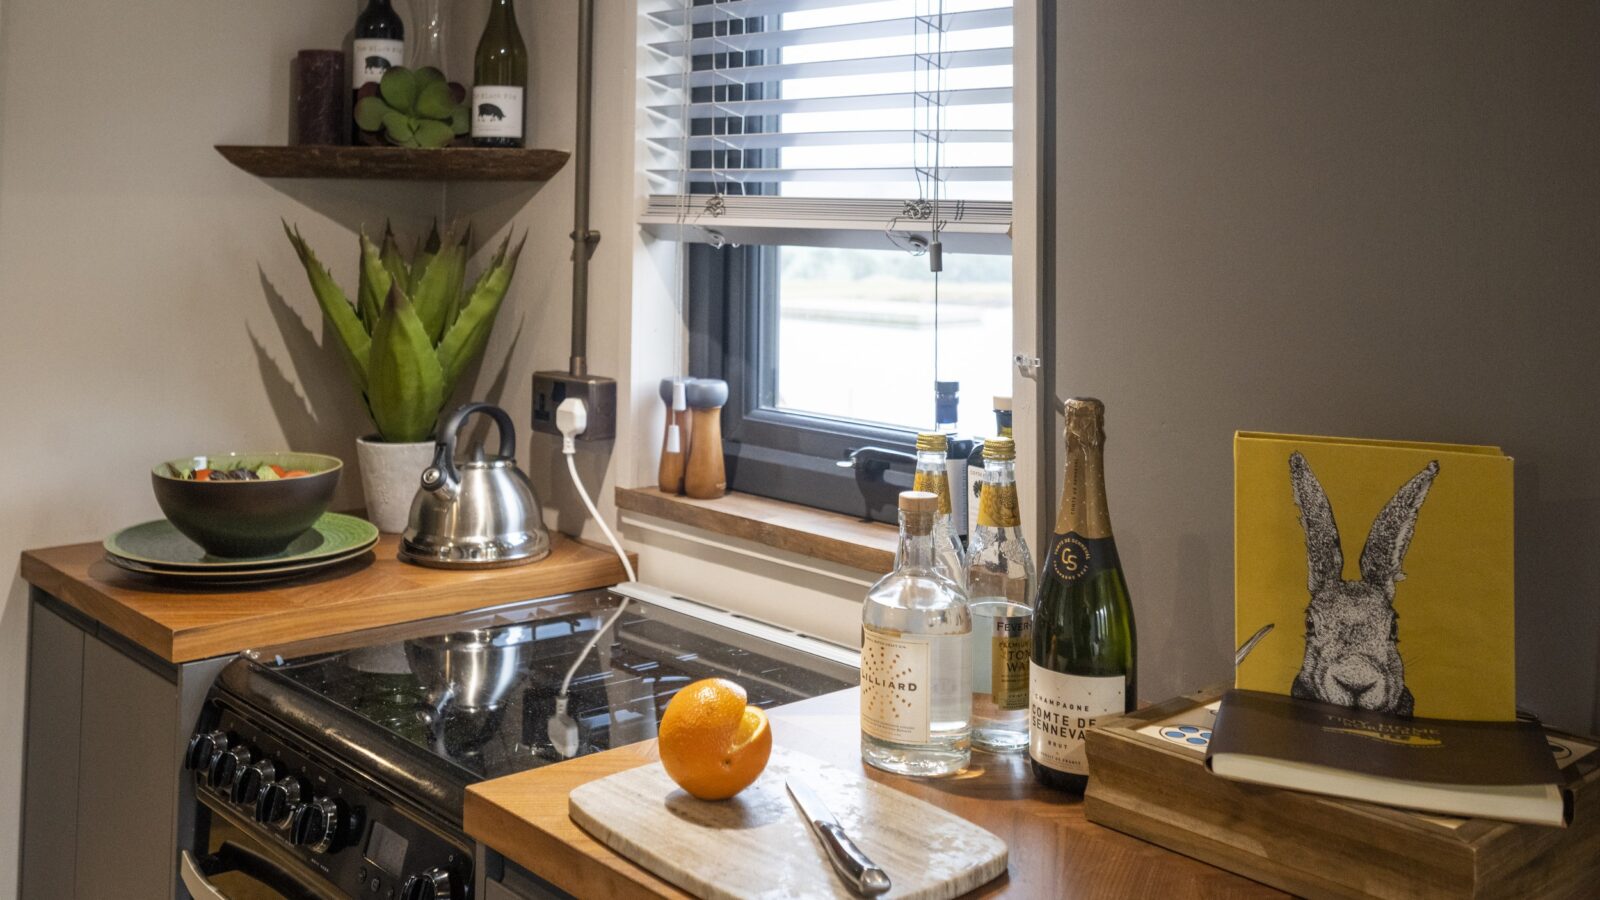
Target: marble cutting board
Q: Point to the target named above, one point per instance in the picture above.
(756, 845)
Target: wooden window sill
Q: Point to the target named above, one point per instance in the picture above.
(814, 533)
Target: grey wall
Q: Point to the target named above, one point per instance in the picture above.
(1358, 218)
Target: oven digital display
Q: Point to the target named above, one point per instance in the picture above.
(386, 849)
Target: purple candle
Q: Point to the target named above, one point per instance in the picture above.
(319, 98)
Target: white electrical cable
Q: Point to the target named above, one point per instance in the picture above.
(627, 565)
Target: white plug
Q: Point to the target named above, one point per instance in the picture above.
(572, 417)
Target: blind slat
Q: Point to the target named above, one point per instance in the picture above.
(741, 9)
(905, 100)
(862, 173)
(903, 26)
(867, 65)
(777, 140)
(972, 227)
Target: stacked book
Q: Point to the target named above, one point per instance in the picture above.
(1371, 745)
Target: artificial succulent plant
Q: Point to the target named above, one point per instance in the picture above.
(414, 108)
(413, 329)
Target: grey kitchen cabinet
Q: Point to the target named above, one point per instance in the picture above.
(106, 803)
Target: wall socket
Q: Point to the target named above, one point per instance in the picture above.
(597, 392)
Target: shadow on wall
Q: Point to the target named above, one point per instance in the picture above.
(330, 415)
(409, 206)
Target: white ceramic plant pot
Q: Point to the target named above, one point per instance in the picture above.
(390, 477)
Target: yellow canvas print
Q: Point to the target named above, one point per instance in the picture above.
(1375, 574)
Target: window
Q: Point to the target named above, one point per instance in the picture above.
(813, 156)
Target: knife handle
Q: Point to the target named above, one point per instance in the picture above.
(857, 869)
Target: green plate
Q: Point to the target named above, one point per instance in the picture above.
(238, 576)
(159, 544)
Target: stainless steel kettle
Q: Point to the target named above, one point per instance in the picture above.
(477, 514)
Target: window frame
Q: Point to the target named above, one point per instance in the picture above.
(772, 452)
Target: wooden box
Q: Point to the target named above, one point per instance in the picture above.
(1157, 788)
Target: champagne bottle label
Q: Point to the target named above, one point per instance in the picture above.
(895, 686)
(1074, 557)
(1010, 647)
(373, 57)
(1061, 708)
(496, 111)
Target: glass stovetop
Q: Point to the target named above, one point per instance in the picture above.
(479, 690)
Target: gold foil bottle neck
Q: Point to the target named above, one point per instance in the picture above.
(932, 442)
(1086, 420)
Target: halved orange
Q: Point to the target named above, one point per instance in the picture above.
(711, 742)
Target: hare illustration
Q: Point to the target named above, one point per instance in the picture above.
(1352, 633)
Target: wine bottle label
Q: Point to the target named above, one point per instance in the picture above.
(373, 57)
(1061, 708)
(1074, 557)
(1009, 649)
(496, 111)
(895, 686)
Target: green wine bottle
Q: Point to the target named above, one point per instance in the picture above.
(1082, 667)
(499, 80)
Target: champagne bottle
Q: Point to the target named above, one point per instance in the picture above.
(1082, 666)
(380, 43)
(916, 687)
(933, 477)
(1000, 591)
(499, 80)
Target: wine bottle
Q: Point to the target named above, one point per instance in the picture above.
(380, 43)
(933, 477)
(1082, 666)
(1000, 595)
(499, 80)
(916, 679)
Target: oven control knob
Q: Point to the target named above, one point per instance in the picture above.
(225, 767)
(202, 748)
(252, 779)
(316, 824)
(434, 884)
(278, 801)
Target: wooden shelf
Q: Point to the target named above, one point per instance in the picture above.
(397, 163)
(846, 540)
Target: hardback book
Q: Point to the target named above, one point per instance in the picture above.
(1149, 780)
(1375, 575)
(1498, 770)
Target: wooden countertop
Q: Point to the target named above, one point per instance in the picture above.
(180, 624)
(1055, 852)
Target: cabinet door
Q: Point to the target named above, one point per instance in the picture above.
(128, 778)
(50, 792)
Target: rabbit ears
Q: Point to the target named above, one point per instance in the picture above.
(1386, 542)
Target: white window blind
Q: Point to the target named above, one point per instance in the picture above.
(839, 123)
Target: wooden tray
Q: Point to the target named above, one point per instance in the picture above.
(1158, 789)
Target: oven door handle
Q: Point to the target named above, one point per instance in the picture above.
(231, 857)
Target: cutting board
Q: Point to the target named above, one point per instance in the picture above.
(757, 845)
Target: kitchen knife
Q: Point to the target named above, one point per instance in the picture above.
(858, 871)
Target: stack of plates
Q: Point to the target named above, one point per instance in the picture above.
(157, 548)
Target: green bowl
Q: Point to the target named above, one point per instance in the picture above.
(242, 519)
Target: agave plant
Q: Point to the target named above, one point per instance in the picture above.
(414, 108)
(413, 329)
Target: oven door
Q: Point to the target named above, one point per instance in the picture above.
(230, 862)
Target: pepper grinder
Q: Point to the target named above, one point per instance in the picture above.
(705, 478)
(675, 440)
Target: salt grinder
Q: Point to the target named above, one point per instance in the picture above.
(675, 440)
(705, 478)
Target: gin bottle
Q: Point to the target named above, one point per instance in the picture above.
(1000, 591)
(916, 680)
(933, 477)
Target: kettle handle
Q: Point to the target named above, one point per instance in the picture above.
(444, 458)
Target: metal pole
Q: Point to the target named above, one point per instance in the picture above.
(583, 239)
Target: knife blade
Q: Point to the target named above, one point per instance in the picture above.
(858, 870)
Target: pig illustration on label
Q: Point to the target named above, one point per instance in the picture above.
(490, 111)
(377, 63)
